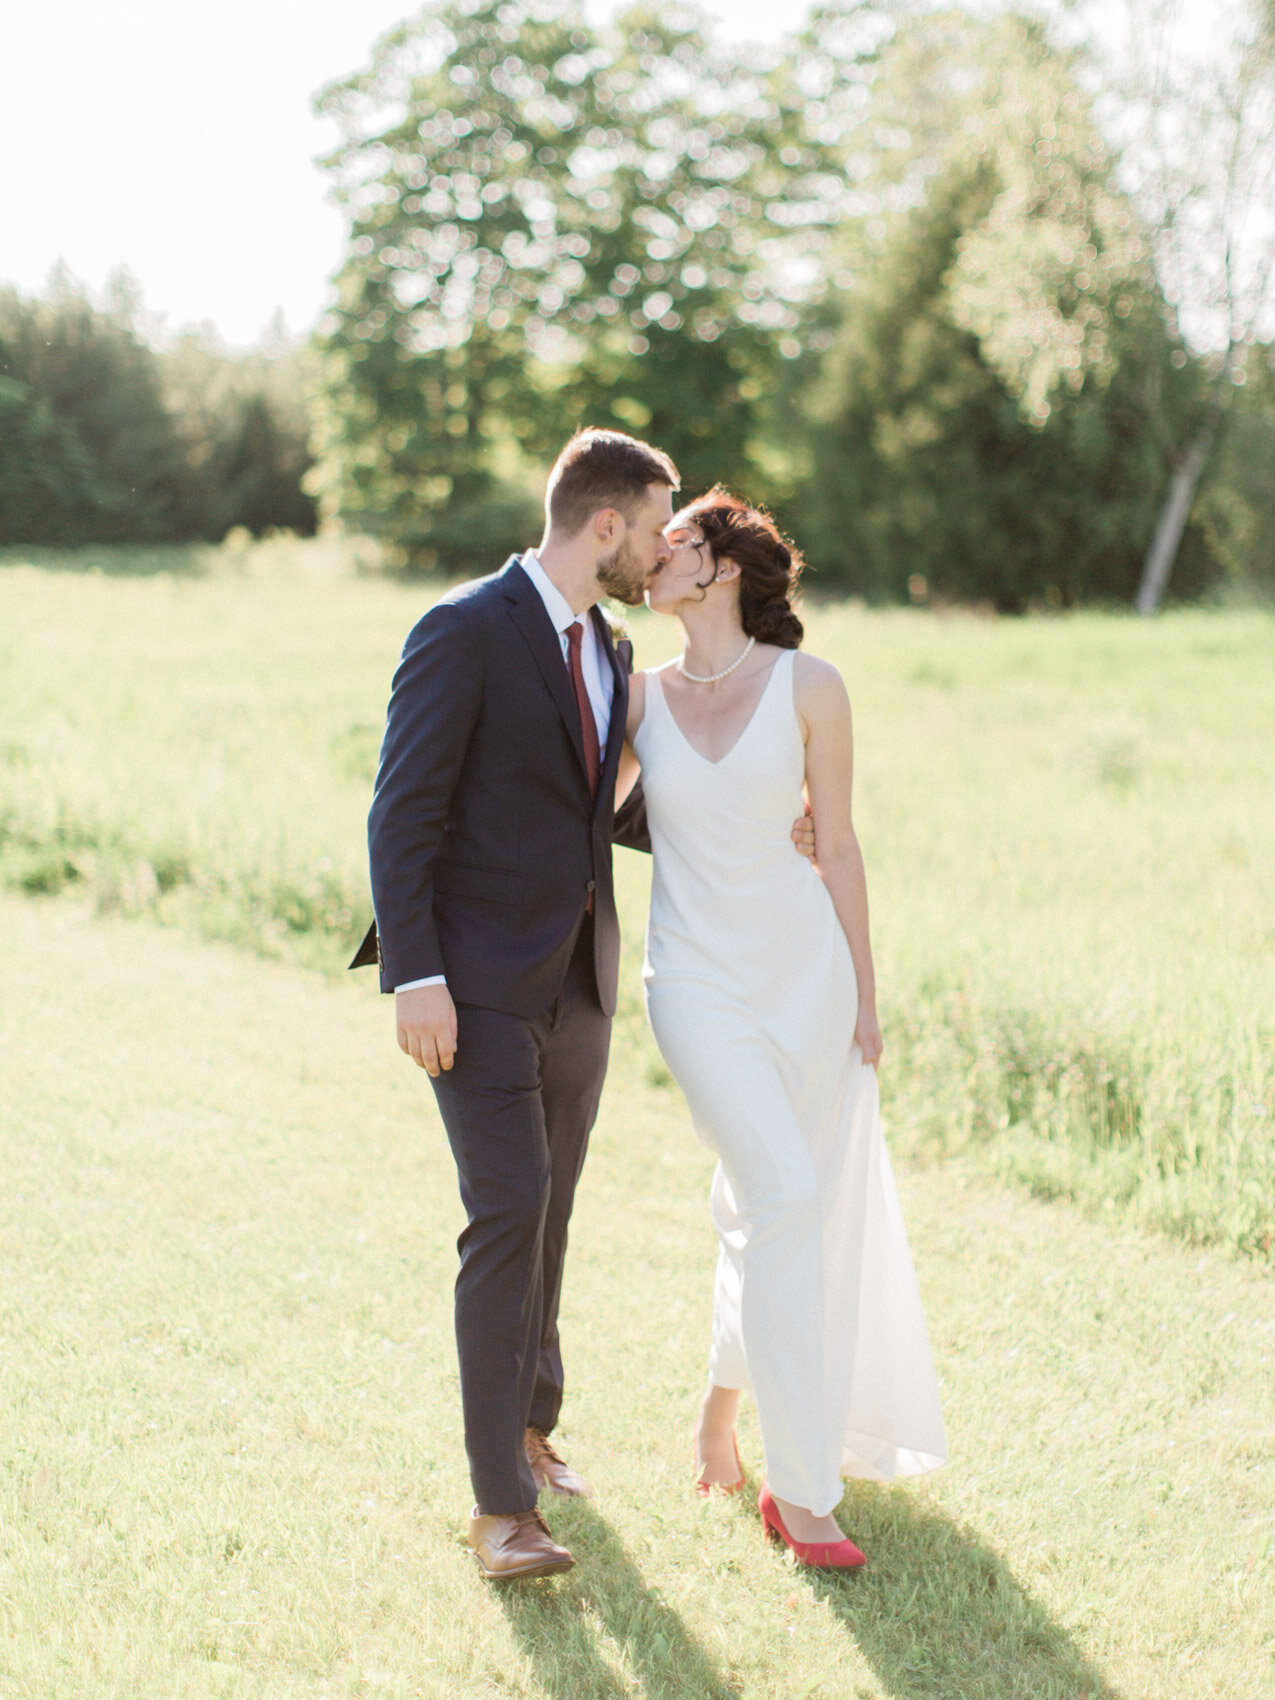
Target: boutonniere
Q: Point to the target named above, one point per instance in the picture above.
(619, 626)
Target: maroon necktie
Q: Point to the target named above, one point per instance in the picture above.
(588, 725)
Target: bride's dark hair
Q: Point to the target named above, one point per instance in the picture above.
(769, 566)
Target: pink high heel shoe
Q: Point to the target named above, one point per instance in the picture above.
(704, 1489)
(819, 1555)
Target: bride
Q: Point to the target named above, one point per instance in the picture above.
(761, 994)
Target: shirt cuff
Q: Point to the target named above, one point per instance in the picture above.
(433, 980)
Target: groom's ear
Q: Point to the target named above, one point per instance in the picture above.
(608, 524)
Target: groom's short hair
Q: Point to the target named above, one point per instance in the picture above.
(603, 469)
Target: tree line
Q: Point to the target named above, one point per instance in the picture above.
(940, 289)
(892, 278)
(104, 439)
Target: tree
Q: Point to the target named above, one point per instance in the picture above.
(1196, 118)
(979, 419)
(244, 422)
(88, 426)
(44, 469)
(105, 440)
(1236, 505)
(552, 225)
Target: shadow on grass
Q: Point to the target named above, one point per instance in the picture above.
(938, 1614)
(557, 1625)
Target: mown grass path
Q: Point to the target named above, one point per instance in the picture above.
(230, 1461)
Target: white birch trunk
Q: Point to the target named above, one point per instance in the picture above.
(1172, 522)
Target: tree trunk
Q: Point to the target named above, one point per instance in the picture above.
(1172, 522)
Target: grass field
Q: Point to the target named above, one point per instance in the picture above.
(1069, 826)
(230, 1463)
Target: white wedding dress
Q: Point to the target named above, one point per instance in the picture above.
(751, 993)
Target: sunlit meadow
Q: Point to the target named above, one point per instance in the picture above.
(1069, 825)
(230, 1461)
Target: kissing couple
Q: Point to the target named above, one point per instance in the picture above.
(517, 749)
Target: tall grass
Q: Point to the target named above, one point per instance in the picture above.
(1069, 825)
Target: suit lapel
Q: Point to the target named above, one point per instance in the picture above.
(531, 617)
(619, 702)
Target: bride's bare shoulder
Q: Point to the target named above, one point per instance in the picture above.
(815, 672)
(818, 687)
(637, 703)
(663, 672)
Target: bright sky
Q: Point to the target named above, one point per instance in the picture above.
(177, 140)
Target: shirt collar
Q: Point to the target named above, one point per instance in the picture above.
(558, 608)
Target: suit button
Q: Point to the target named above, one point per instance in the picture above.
(592, 885)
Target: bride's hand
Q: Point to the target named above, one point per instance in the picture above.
(867, 1033)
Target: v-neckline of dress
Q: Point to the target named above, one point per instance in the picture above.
(744, 730)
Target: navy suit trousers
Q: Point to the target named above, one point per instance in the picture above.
(518, 1106)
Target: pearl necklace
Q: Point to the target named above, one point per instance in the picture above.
(712, 678)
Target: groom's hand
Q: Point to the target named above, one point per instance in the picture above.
(426, 1018)
(803, 833)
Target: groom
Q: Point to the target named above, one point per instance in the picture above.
(490, 837)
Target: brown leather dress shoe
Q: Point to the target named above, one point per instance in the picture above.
(550, 1472)
(518, 1545)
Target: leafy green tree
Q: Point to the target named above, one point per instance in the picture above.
(244, 421)
(553, 225)
(1236, 507)
(44, 469)
(87, 427)
(104, 440)
(979, 424)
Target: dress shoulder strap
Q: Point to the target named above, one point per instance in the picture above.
(786, 687)
(780, 688)
(655, 686)
(652, 693)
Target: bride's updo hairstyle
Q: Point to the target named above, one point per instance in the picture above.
(768, 566)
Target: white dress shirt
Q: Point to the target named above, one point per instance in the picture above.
(599, 681)
(598, 678)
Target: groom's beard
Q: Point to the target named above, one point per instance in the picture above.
(623, 576)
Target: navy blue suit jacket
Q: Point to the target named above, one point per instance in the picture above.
(485, 842)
